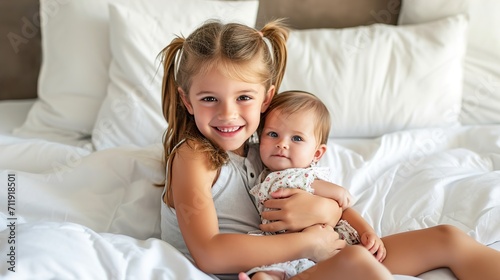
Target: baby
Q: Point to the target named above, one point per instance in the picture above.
(292, 140)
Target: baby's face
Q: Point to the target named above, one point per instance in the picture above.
(288, 141)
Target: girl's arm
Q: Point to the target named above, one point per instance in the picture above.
(369, 239)
(214, 252)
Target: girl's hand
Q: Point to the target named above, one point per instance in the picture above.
(374, 244)
(296, 209)
(327, 242)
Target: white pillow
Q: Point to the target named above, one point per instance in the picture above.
(381, 78)
(131, 112)
(481, 90)
(74, 72)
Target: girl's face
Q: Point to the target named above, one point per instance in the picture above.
(226, 111)
(289, 141)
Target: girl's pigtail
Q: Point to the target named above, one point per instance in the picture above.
(277, 34)
(173, 108)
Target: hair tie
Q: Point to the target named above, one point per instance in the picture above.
(177, 62)
(268, 44)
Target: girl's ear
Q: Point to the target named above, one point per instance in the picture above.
(320, 151)
(268, 98)
(186, 101)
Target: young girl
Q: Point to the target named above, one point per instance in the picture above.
(292, 140)
(217, 83)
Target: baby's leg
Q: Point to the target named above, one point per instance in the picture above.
(263, 275)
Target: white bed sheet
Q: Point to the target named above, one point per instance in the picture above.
(95, 215)
(13, 114)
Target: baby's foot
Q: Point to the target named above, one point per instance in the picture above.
(243, 276)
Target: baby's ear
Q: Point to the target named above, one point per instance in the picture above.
(268, 98)
(320, 151)
(185, 100)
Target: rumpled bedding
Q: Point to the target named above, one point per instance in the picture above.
(75, 213)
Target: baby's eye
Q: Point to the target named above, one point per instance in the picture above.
(297, 138)
(272, 134)
(244, 98)
(209, 99)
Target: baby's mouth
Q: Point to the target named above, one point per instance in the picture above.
(280, 155)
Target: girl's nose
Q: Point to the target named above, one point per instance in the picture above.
(228, 112)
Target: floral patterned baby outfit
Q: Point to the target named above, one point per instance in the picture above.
(300, 178)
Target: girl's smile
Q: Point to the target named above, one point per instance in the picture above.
(228, 131)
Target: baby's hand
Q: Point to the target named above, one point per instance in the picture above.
(326, 242)
(374, 244)
(333, 191)
(345, 200)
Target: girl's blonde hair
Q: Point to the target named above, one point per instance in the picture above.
(239, 51)
(293, 101)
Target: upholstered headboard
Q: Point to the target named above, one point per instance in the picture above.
(20, 31)
(20, 48)
(305, 14)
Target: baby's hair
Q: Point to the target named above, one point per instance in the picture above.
(238, 51)
(293, 101)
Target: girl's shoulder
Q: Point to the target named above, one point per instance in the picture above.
(195, 152)
(188, 151)
(189, 163)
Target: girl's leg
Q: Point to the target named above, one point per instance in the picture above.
(352, 262)
(415, 252)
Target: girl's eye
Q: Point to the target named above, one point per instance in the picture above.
(244, 98)
(272, 134)
(296, 138)
(209, 99)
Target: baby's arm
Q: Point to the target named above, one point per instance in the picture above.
(369, 238)
(332, 191)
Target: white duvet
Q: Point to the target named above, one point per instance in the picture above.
(77, 214)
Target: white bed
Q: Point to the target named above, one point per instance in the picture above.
(13, 114)
(416, 140)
